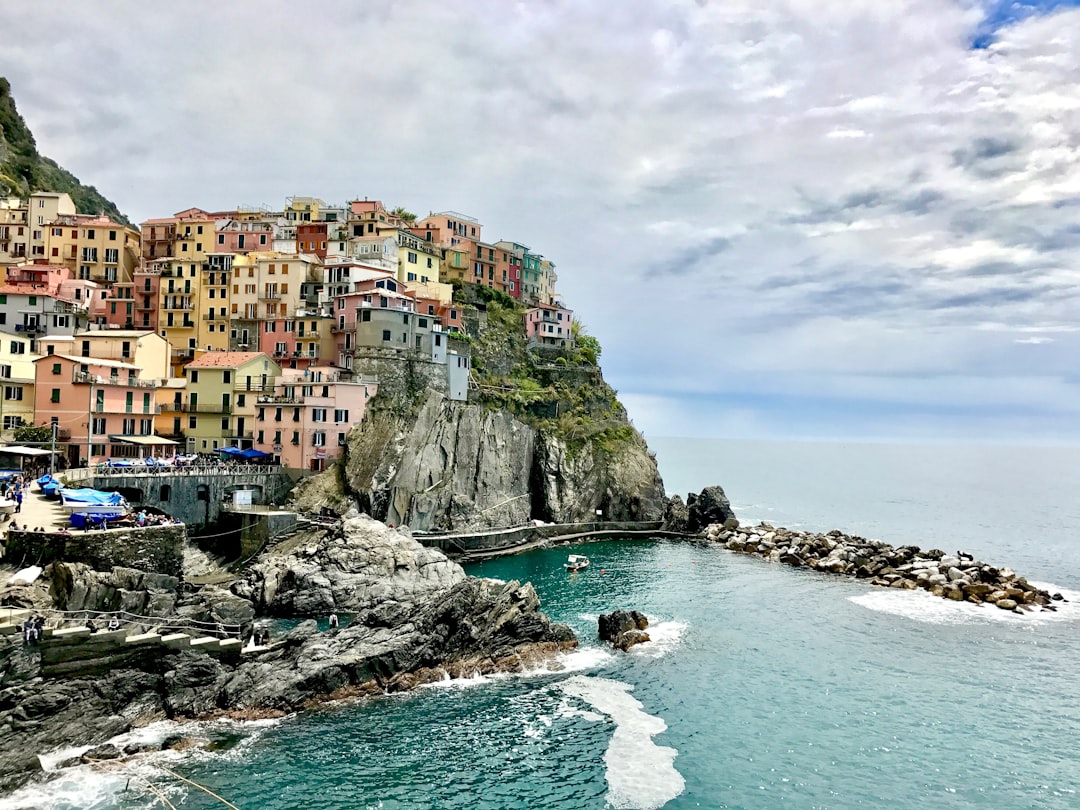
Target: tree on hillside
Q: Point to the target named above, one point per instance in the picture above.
(404, 214)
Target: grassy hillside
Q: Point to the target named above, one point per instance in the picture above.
(23, 170)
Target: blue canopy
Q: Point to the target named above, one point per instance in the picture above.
(231, 451)
(251, 452)
(92, 497)
(80, 519)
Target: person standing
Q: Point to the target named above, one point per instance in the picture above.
(333, 621)
(18, 499)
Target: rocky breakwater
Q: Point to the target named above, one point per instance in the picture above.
(959, 576)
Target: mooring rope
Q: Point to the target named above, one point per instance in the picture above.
(200, 787)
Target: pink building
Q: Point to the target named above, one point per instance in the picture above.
(242, 236)
(305, 421)
(97, 404)
(550, 326)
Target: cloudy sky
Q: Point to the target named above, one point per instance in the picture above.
(782, 218)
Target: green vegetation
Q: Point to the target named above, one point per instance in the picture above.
(24, 171)
(559, 391)
(406, 216)
(33, 434)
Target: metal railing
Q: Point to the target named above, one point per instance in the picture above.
(195, 469)
(126, 382)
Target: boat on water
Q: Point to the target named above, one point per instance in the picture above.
(575, 562)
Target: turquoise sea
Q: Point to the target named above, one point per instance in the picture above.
(764, 687)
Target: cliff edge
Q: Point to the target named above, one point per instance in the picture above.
(543, 436)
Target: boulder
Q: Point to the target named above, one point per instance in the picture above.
(676, 515)
(709, 506)
(623, 628)
(1006, 604)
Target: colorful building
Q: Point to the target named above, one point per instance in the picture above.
(305, 421)
(94, 247)
(550, 325)
(222, 388)
(99, 404)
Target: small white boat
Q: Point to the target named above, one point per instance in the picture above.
(575, 562)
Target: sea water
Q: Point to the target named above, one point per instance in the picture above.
(764, 686)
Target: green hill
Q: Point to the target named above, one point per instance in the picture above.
(23, 170)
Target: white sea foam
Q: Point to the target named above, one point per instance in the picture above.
(581, 659)
(640, 774)
(98, 784)
(922, 606)
(664, 637)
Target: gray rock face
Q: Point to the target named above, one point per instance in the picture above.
(465, 466)
(623, 628)
(711, 506)
(363, 566)
(417, 619)
(676, 515)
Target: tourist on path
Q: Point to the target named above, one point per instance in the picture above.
(333, 621)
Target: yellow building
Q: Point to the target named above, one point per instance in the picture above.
(304, 209)
(94, 247)
(171, 397)
(222, 389)
(443, 293)
(17, 381)
(146, 350)
(418, 259)
(548, 278)
(14, 230)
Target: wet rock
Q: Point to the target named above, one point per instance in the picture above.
(709, 506)
(623, 628)
(102, 752)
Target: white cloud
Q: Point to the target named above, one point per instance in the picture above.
(800, 197)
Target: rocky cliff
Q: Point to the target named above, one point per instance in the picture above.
(463, 465)
(416, 618)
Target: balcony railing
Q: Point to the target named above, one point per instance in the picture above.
(213, 316)
(183, 354)
(125, 382)
(236, 434)
(243, 386)
(201, 408)
(280, 400)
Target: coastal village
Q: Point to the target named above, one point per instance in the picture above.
(251, 330)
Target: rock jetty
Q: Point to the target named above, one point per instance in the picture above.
(959, 577)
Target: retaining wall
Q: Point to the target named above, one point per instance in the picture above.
(158, 549)
(465, 543)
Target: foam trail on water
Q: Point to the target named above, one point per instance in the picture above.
(922, 606)
(664, 637)
(640, 774)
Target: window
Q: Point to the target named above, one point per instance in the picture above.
(386, 334)
(18, 347)
(99, 425)
(192, 422)
(365, 315)
(422, 323)
(319, 439)
(56, 368)
(166, 493)
(14, 393)
(226, 377)
(341, 416)
(412, 257)
(194, 375)
(55, 395)
(318, 414)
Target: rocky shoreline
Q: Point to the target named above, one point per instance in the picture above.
(959, 577)
(416, 618)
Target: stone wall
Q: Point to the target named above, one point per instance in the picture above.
(195, 496)
(158, 549)
(403, 375)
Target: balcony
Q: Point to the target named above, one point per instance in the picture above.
(30, 329)
(235, 434)
(123, 382)
(279, 400)
(187, 407)
(269, 296)
(211, 316)
(254, 387)
(183, 354)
